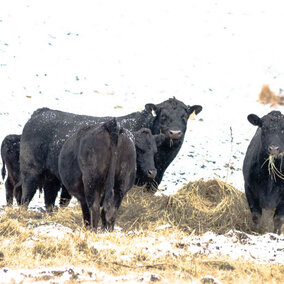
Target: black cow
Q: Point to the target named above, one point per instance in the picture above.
(145, 147)
(10, 151)
(46, 131)
(87, 166)
(98, 166)
(263, 168)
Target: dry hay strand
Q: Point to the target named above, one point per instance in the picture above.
(210, 206)
(266, 96)
(199, 206)
(141, 209)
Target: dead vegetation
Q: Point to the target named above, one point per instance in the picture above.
(266, 96)
(199, 206)
(26, 242)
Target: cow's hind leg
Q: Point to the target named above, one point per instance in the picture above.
(279, 218)
(85, 212)
(9, 191)
(29, 187)
(109, 213)
(95, 211)
(18, 193)
(65, 197)
(108, 219)
(51, 188)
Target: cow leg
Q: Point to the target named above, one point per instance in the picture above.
(108, 211)
(278, 218)
(108, 218)
(95, 211)
(85, 212)
(254, 208)
(93, 195)
(29, 187)
(18, 194)
(9, 191)
(109, 215)
(256, 220)
(51, 188)
(65, 197)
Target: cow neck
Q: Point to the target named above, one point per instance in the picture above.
(137, 120)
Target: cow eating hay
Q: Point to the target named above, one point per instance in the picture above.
(200, 206)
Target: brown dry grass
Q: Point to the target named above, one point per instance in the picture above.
(200, 206)
(266, 96)
(194, 209)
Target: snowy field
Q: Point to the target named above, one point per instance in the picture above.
(112, 57)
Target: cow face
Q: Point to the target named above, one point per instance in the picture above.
(146, 148)
(272, 132)
(170, 118)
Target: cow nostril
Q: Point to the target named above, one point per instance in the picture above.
(175, 134)
(151, 173)
(273, 149)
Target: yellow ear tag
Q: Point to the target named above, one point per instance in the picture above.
(154, 113)
(192, 116)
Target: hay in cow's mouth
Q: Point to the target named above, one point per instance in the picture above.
(272, 169)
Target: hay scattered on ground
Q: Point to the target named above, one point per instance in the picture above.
(266, 96)
(32, 239)
(199, 206)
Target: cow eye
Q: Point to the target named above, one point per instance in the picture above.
(139, 150)
(163, 117)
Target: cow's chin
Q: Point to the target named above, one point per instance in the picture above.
(149, 184)
(173, 142)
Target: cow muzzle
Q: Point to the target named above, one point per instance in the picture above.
(175, 134)
(274, 150)
(151, 174)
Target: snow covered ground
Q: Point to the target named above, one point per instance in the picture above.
(107, 57)
(113, 57)
(265, 249)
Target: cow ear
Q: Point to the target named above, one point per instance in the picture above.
(255, 120)
(196, 108)
(151, 108)
(159, 138)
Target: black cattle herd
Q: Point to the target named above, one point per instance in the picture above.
(99, 159)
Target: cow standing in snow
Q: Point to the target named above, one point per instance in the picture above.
(46, 131)
(10, 151)
(263, 168)
(97, 165)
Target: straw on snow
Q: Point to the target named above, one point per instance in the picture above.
(199, 206)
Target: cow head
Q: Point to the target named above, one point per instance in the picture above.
(146, 148)
(170, 118)
(272, 132)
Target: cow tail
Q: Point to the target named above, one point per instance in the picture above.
(113, 128)
(3, 170)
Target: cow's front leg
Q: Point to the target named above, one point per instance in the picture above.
(278, 218)
(255, 209)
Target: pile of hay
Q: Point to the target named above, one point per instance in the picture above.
(266, 96)
(199, 206)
